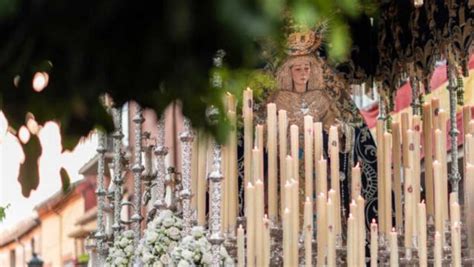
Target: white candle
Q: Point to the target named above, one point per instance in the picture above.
(469, 203)
(266, 241)
(335, 182)
(393, 248)
(374, 245)
(409, 212)
(456, 243)
(455, 212)
(428, 157)
(443, 121)
(233, 173)
(247, 113)
(380, 174)
(331, 254)
(356, 185)
(361, 230)
(282, 152)
(354, 232)
(288, 178)
(416, 163)
(387, 158)
(308, 156)
(439, 221)
(287, 237)
(240, 247)
(351, 253)
(397, 177)
(322, 226)
(259, 144)
(318, 143)
(438, 252)
(294, 133)
(272, 161)
(308, 231)
(321, 176)
(259, 231)
(296, 221)
(422, 248)
(250, 200)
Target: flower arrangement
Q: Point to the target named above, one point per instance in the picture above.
(195, 250)
(160, 238)
(122, 252)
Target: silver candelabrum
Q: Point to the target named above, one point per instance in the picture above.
(216, 177)
(118, 178)
(160, 152)
(454, 176)
(100, 235)
(137, 169)
(186, 138)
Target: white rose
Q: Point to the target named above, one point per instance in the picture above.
(178, 223)
(174, 233)
(168, 222)
(183, 263)
(129, 249)
(146, 257)
(197, 231)
(151, 237)
(123, 242)
(118, 261)
(119, 254)
(206, 258)
(187, 255)
(165, 259)
(197, 257)
(204, 244)
(172, 245)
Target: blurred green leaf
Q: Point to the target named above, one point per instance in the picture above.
(29, 173)
(153, 55)
(65, 180)
(339, 42)
(3, 212)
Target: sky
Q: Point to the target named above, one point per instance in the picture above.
(50, 162)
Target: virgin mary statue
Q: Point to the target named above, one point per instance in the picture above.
(307, 85)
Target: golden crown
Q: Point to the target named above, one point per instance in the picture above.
(303, 40)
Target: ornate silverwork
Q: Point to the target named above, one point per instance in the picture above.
(137, 170)
(186, 138)
(117, 163)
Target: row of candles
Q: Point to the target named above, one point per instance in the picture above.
(400, 149)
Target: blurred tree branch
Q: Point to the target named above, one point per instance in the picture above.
(153, 52)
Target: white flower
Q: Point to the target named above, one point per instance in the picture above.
(206, 258)
(119, 261)
(187, 255)
(168, 222)
(129, 249)
(123, 242)
(146, 257)
(183, 263)
(174, 233)
(128, 234)
(197, 256)
(197, 231)
(165, 259)
(151, 237)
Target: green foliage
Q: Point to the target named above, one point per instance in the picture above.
(151, 54)
(3, 213)
(83, 258)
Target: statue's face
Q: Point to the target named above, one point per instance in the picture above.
(300, 72)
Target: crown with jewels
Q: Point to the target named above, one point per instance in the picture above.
(303, 40)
